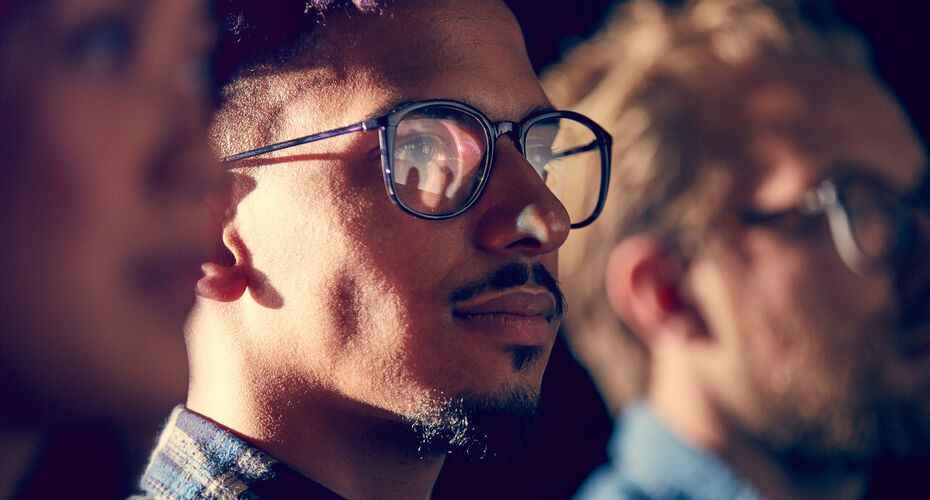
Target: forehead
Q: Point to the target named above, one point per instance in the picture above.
(784, 127)
(471, 51)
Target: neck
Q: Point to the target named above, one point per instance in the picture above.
(354, 450)
(682, 404)
(351, 453)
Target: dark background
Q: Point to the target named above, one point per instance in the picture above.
(574, 427)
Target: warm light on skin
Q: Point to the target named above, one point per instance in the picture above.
(529, 222)
(365, 331)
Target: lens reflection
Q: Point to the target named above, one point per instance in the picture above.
(566, 154)
(438, 154)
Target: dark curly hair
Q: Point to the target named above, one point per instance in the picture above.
(259, 41)
(262, 34)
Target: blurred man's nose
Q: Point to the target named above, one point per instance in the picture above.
(519, 214)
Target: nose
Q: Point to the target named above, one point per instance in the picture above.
(519, 215)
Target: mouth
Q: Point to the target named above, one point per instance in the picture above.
(522, 317)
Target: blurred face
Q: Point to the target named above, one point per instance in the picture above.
(814, 358)
(101, 202)
(412, 319)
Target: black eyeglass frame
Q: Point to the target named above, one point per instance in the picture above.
(387, 127)
(827, 198)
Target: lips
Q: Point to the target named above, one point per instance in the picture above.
(518, 317)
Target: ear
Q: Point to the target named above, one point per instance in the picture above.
(225, 276)
(643, 282)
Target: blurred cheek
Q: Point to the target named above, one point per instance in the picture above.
(809, 282)
(80, 182)
(848, 299)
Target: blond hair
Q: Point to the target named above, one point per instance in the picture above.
(640, 79)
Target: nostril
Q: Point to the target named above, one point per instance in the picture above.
(526, 243)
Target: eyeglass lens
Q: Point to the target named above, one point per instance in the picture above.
(877, 220)
(874, 217)
(566, 154)
(440, 152)
(437, 159)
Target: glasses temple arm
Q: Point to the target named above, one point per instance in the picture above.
(358, 127)
(580, 149)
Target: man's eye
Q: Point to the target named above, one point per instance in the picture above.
(421, 150)
(104, 47)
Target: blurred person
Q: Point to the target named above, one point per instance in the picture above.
(756, 297)
(387, 294)
(105, 165)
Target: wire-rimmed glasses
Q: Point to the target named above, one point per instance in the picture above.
(871, 224)
(437, 156)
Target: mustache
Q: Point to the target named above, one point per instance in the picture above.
(512, 276)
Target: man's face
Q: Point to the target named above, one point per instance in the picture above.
(813, 358)
(394, 314)
(102, 204)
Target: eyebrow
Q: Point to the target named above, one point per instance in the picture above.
(393, 105)
(388, 108)
(540, 108)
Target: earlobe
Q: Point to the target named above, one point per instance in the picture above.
(225, 278)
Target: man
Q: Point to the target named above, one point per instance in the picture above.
(387, 293)
(767, 250)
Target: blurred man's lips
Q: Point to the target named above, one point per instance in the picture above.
(518, 317)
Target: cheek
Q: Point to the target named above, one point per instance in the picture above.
(808, 282)
(401, 256)
(94, 144)
(810, 321)
(100, 208)
(71, 199)
(320, 252)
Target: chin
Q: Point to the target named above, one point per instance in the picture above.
(478, 426)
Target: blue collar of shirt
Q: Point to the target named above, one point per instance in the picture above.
(197, 458)
(649, 461)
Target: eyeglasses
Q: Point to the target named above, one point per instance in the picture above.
(871, 224)
(436, 156)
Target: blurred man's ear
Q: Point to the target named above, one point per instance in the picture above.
(225, 276)
(643, 282)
